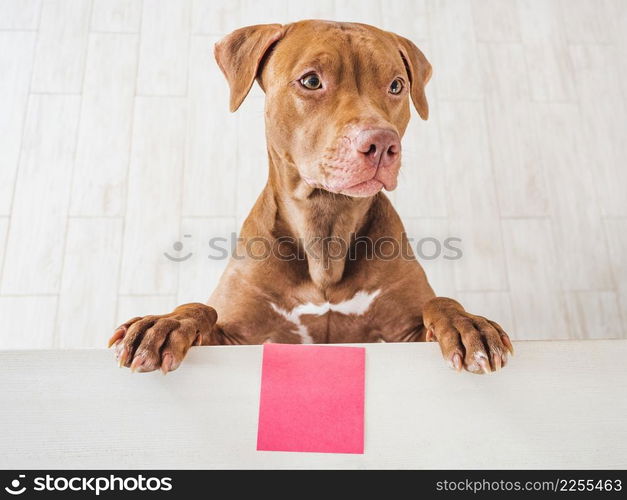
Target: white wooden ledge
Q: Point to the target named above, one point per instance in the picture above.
(557, 405)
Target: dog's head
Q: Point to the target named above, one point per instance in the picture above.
(337, 98)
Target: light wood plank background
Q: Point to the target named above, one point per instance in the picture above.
(115, 142)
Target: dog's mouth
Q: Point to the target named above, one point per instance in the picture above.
(357, 186)
(363, 189)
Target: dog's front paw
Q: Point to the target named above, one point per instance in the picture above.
(147, 343)
(466, 340)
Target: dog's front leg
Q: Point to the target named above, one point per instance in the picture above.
(466, 340)
(148, 343)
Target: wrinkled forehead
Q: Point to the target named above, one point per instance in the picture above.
(344, 48)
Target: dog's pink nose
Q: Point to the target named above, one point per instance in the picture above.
(380, 146)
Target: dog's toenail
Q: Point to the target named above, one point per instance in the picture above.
(166, 363)
(483, 363)
(137, 362)
(457, 362)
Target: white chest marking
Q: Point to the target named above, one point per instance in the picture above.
(357, 305)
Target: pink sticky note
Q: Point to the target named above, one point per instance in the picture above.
(312, 399)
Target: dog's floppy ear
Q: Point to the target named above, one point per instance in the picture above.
(239, 55)
(419, 71)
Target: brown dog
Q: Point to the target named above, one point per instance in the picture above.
(337, 104)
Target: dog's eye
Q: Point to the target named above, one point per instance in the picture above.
(311, 82)
(396, 86)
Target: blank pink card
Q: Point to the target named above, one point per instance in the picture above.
(312, 399)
